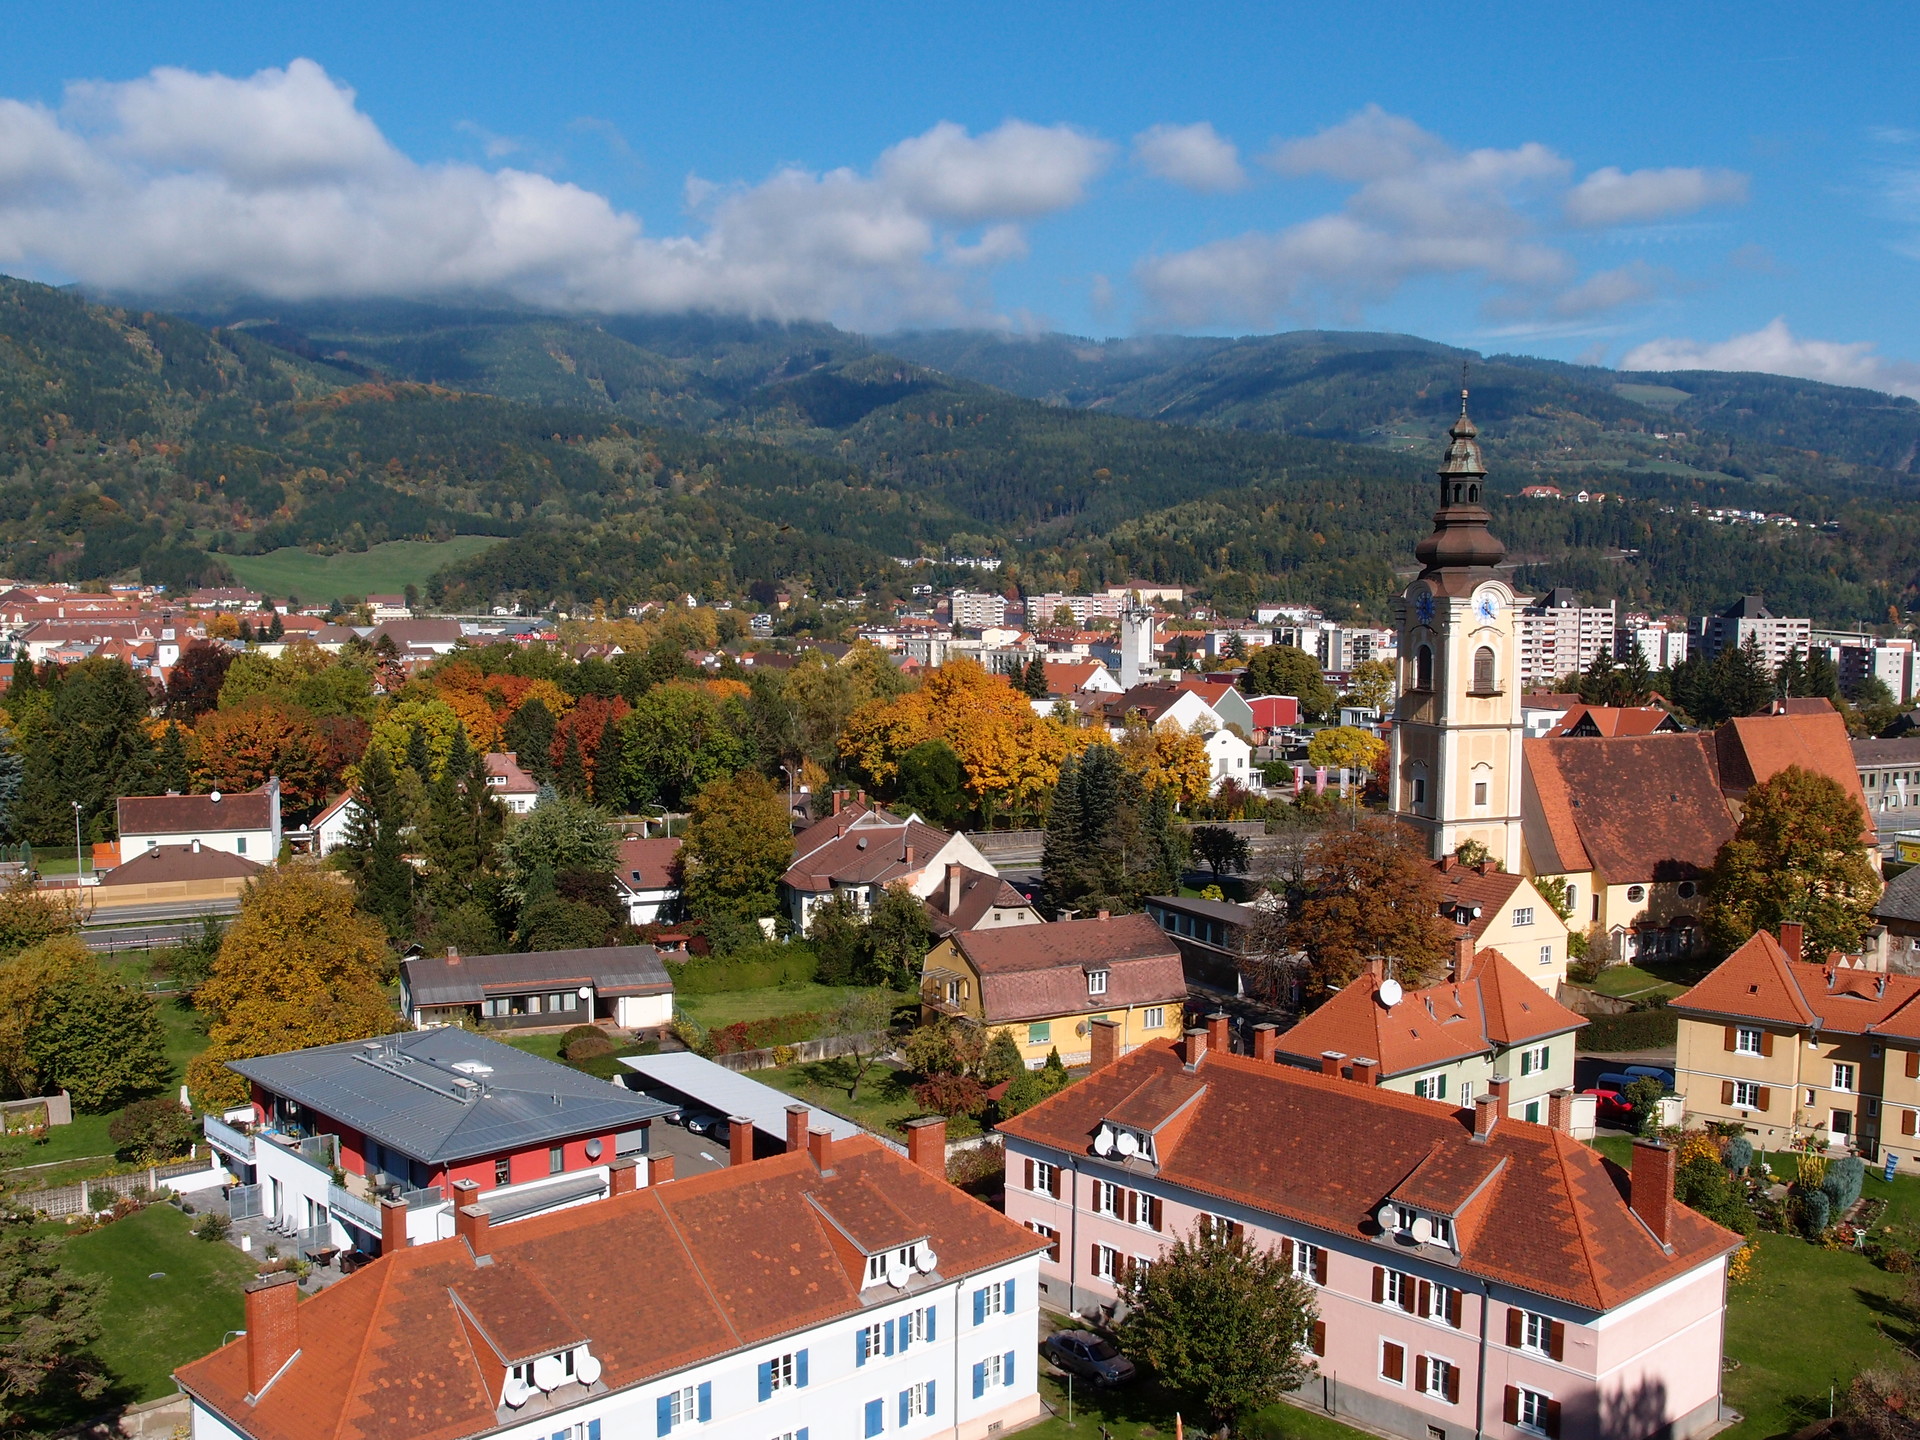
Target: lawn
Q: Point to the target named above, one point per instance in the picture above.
(796, 997)
(384, 569)
(1644, 982)
(1144, 1411)
(152, 1325)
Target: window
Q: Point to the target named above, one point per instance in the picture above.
(1218, 1227)
(783, 1372)
(1746, 1041)
(1096, 982)
(1573, 898)
(1040, 1033)
(1043, 1179)
(956, 991)
(1483, 670)
(992, 1372)
(1843, 1077)
(556, 1160)
(1306, 1262)
(1813, 1097)
(1154, 1017)
(1442, 1235)
(915, 1401)
(873, 1339)
(242, 843)
(1139, 1268)
(1530, 1112)
(1050, 1235)
(1534, 1060)
(502, 1171)
(1688, 889)
(1546, 954)
(1522, 915)
(1423, 668)
(1479, 792)
(1636, 893)
(1106, 1263)
(1534, 1411)
(1531, 1332)
(1439, 1379)
(685, 1405)
(1395, 1288)
(1431, 1087)
(990, 1300)
(1419, 790)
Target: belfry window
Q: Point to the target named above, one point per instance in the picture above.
(1423, 668)
(1483, 670)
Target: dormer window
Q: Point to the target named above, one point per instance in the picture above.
(907, 1258)
(1097, 982)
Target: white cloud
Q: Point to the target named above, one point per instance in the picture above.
(277, 182)
(1196, 156)
(1612, 196)
(1775, 350)
(1608, 290)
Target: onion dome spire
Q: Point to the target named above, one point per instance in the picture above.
(1460, 538)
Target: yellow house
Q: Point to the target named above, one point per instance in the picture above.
(1505, 913)
(1046, 984)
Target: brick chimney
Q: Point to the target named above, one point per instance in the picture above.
(1219, 1032)
(1106, 1042)
(1462, 958)
(273, 1328)
(797, 1118)
(1266, 1041)
(820, 1144)
(470, 1223)
(1104, 915)
(839, 799)
(1330, 1062)
(623, 1177)
(1486, 1114)
(1793, 938)
(1196, 1047)
(1364, 1070)
(956, 878)
(909, 859)
(1560, 1111)
(1497, 1087)
(927, 1144)
(659, 1168)
(393, 1226)
(1652, 1186)
(1377, 967)
(739, 1140)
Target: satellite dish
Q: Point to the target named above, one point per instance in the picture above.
(898, 1274)
(517, 1392)
(1422, 1229)
(1388, 1216)
(214, 796)
(586, 1369)
(1127, 1145)
(924, 1259)
(1103, 1142)
(549, 1373)
(1390, 992)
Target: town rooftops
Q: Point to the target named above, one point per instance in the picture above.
(1493, 1005)
(971, 894)
(1637, 808)
(1901, 899)
(210, 814)
(1066, 677)
(1763, 982)
(1594, 721)
(1472, 896)
(468, 979)
(179, 864)
(1544, 1213)
(861, 845)
(655, 1281)
(445, 1094)
(1901, 750)
(1035, 972)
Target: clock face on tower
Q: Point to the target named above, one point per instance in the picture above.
(1486, 607)
(1423, 607)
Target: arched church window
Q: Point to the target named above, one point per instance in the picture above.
(1483, 670)
(1473, 494)
(1423, 668)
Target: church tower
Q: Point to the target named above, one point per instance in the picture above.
(1457, 728)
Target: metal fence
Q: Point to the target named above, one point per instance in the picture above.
(243, 1202)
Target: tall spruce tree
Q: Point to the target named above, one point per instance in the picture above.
(462, 827)
(1635, 678)
(609, 788)
(570, 774)
(172, 770)
(529, 735)
(373, 853)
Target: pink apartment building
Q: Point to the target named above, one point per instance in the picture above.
(1476, 1275)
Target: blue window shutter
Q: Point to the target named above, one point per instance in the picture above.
(766, 1379)
(929, 1402)
(800, 1434)
(876, 1417)
(593, 1430)
(663, 1412)
(905, 1395)
(980, 1306)
(860, 1346)
(800, 1369)
(704, 1398)
(1006, 1369)
(932, 1310)
(979, 1382)
(887, 1340)
(1006, 1292)
(906, 1332)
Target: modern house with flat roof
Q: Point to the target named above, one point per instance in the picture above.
(411, 1115)
(625, 985)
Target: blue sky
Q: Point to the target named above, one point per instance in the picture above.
(1735, 185)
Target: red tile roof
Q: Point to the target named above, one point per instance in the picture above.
(1549, 1215)
(1758, 747)
(1761, 982)
(1494, 1005)
(1466, 888)
(187, 814)
(1636, 808)
(1607, 720)
(1065, 677)
(416, 1343)
(979, 893)
(1036, 972)
(862, 845)
(649, 864)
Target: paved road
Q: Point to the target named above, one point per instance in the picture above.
(178, 910)
(139, 937)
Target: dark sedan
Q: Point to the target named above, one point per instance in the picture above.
(1088, 1356)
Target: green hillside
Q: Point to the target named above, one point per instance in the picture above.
(385, 569)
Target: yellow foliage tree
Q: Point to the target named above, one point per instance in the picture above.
(1345, 747)
(299, 967)
(1170, 756)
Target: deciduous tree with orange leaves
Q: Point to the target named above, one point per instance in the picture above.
(236, 750)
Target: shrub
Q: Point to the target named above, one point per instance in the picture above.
(582, 1032)
(1817, 1209)
(149, 1131)
(1842, 1185)
(101, 1197)
(1654, 1029)
(952, 1095)
(212, 1227)
(759, 966)
(1739, 1154)
(589, 1047)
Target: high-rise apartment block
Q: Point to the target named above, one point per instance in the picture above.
(977, 610)
(1661, 643)
(1777, 636)
(1559, 636)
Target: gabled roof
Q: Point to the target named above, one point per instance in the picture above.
(178, 864)
(1466, 888)
(656, 1280)
(1036, 972)
(862, 845)
(469, 979)
(1761, 982)
(445, 1094)
(1306, 1147)
(1755, 748)
(979, 893)
(194, 814)
(1065, 677)
(1493, 1005)
(1901, 899)
(1756, 982)
(1152, 702)
(1636, 808)
(1901, 750)
(507, 766)
(1747, 607)
(650, 864)
(1593, 721)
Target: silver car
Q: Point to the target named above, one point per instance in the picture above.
(1088, 1356)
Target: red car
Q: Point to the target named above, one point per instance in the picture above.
(1610, 1107)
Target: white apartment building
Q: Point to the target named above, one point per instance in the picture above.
(1339, 647)
(1857, 657)
(1559, 636)
(1084, 608)
(1662, 643)
(977, 610)
(1777, 636)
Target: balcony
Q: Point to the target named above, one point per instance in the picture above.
(227, 1139)
(349, 1206)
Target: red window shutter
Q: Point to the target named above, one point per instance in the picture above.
(1393, 1362)
(1764, 1098)
(1318, 1342)
(1726, 1092)
(1406, 1294)
(1153, 1211)
(1234, 1228)
(1420, 1373)
(1453, 1308)
(1907, 1122)
(1425, 1303)
(1453, 1384)
(1512, 1411)
(1053, 1247)
(1766, 1042)
(1096, 1260)
(1133, 1207)
(1732, 1037)
(1913, 1064)
(1054, 1181)
(1379, 1285)
(1286, 1252)
(1556, 1340)
(1029, 1174)
(1514, 1321)
(1553, 1420)
(1320, 1265)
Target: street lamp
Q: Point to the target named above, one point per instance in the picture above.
(79, 868)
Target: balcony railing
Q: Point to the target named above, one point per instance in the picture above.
(234, 1142)
(349, 1206)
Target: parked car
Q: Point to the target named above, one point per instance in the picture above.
(1088, 1356)
(1652, 1072)
(1610, 1106)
